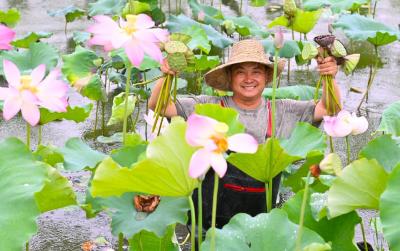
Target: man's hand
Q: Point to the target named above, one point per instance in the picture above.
(165, 68)
(327, 66)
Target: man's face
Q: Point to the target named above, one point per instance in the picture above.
(248, 80)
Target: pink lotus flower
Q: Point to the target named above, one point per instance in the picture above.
(25, 93)
(135, 35)
(6, 36)
(279, 38)
(344, 124)
(210, 136)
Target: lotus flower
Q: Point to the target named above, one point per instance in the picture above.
(150, 120)
(25, 93)
(210, 136)
(6, 36)
(344, 124)
(278, 39)
(135, 35)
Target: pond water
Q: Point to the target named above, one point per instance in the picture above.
(67, 229)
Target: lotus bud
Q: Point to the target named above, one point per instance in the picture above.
(278, 39)
(338, 50)
(350, 63)
(331, 164)
(200, 16)
(289, 8)
(229, 27)
(309, 51)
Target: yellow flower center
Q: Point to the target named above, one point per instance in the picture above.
(130, 26)
(26, 84)
(220, 139)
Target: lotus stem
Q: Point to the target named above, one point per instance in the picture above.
(193, 227)
(363, 235)
(40, 135)
(169, 6)
(127, 90)
(95, 119)
(376, 239)
(103, 115)
(274, 92)
(268, 190)
(331, 144)
(200, 214)
(303, 208)
(374, 12)
(148, 81)
(348, 149)
(147, 107)
(27, 246)
(240, 8)
(370, 79)
(214, 211)
(316, 94)
(121, 242)
(28, 135)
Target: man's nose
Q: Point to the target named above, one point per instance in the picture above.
(248, 78)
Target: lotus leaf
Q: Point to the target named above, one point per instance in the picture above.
(336, 6)
(103, 7)
(76, 114)
(10, 18)
(118, 108)
(390, 122)
(245, 26)
(149, 241)
(71, 13)
(199, 39)
(290, 48)
(297, 92)
(212, 16)
(32, 37)
(303, 22)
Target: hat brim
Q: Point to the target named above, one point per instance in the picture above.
(219, 78)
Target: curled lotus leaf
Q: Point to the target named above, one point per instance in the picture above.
(350, 63)
(309, 51)
(338, 49)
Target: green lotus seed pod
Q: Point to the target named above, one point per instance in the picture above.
(350, 63)
(229, 27)
(289, 8)
(338, 50)
(309, 51)
(177, 61)
(175, 47)
(180, 37)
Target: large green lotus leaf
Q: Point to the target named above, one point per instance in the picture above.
(258, 3)
(78, 64)
(150, 241)
(49, 154)
(56, 193)
(390, 122)
(359, 186)
(358, 27)
(308, 137)
(296, 179)
(10, 18)
(223, 114)
(385, 150)
(165, 172)
(336, 6)
(179, 23)
(128, 155)
(31, 37)
(199, 39)
(389, 210)
(118, 108)
(290, 48)
(272, 231)
(106, 7)
(245, 26)
(259, 165)
(204, 62)
(296, 92)
(126, 220)
(339, 231)
(78, 155)
(20, 178)
(304, 21)
(70, 13)
(77, 114)
(28, 59)
(212, 15)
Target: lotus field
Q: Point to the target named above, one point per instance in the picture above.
(139, 170)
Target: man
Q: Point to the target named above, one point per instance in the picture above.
(246, 73)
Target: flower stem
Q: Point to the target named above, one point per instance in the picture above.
(96, 117)
(40, 135)
(372, 74)
(348, 149)
(103, 115)
(303, 208)
(28, 135)
(193, 229)
(331, 144)
(363, 235)
(268, 190)
(200, 214)
(214, 211)
(127, 89)
(121, 242)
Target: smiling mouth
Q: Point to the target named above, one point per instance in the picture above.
(249, 87)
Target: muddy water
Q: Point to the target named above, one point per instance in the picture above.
(67, 229)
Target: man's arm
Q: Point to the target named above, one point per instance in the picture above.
(171, 108)
(326, 66)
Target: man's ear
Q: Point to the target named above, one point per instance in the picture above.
(269, 73)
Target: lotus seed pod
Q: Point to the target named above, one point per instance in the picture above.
(177, 61)
(331, 164)
(338, 50)
(229, 27)
(324, 41)
(175, 47)
(289, 8)
(180, 37)
(350, 63)
(309, 51)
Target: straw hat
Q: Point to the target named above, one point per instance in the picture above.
(249, 50)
